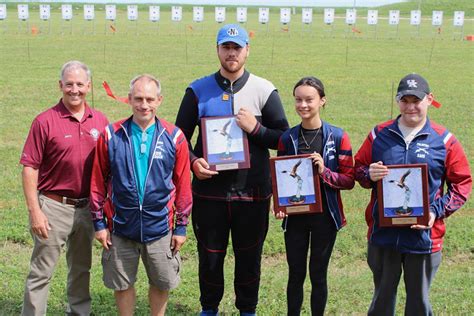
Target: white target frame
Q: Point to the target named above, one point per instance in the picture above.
(372, 17)
(437, 18)
(219, 13)
(285, 15)
(89, 12)
(198, 14)
(66, 12)
(307, 15)
(458, 19)
(176, 13)
(351, 16)
(263, 15)
(154, 13)
(44, 12)
(394, 17)
(132, 12)
(110, 12)
(329, 15)
(23, 12)
(241, 15)
(3, 11)
(415, 17)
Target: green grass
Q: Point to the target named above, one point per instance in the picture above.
(359, 92)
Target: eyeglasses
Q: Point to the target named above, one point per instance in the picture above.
(143, 144)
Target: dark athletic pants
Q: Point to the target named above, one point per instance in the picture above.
(419, 271)
(248, 224)
(316, 232)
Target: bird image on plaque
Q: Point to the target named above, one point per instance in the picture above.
(225, 144)
(225, 131)
(403, 195)
(292, 175)
(295, 185)
(297, 198)
(402, 183)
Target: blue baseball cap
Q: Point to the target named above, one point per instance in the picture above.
(233, 33)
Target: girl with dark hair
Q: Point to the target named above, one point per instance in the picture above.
(331, 153)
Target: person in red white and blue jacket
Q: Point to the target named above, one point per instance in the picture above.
(331, 152)
(141, 198)
(411, 139)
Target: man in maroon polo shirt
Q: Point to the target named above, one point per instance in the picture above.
(57, 162)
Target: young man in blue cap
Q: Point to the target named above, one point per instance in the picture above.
(411, 139)
(232, 201)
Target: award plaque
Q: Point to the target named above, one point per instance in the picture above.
(403, 196)
(225, 144)
(295, 185)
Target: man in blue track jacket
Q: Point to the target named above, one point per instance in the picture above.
(141, 199)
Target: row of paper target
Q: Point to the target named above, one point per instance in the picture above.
(241, 14)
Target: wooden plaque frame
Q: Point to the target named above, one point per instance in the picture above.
(306, 199)
(407, 183)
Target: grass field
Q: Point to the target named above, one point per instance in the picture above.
(358, 69)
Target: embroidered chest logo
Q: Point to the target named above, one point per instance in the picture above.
(412, 83)
(421, 150)
(159, 149)
(330, 149)
(94, 134)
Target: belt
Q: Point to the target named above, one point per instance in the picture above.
(65, 200)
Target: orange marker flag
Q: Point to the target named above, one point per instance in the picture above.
(435, 103)
(284, 29)
(251, 34)
(190, 27)
(111, 94)
(113, 28)
(34, 30)
(356, 30)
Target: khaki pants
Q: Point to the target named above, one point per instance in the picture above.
(72, 227)
(120, 263)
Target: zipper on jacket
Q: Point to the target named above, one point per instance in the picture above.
(407, 146)
(234, 180)
(232, 97)
(405, 161)
(135, 182)
(146, 178)
(325, 192)
(295, 144)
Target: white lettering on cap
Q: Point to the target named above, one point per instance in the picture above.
(412, 83)
(233, 32)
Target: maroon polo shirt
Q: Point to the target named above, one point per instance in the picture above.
(62, 149)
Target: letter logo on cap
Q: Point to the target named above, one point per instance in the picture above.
(412, 83)
(233, 32)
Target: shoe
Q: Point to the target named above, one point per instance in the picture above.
(209, 312)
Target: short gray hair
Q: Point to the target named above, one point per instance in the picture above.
(148, 78)
(75, 64)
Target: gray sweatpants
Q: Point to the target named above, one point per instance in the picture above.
(418, 273)
(70, 226)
